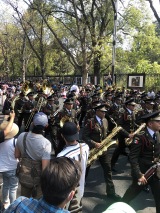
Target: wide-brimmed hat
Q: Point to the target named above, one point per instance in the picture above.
(68, 101)
(30, 94)
(154, 116)
(14, 131)
(130, 102)
(101, 107)
(50, 98)
(70, 131)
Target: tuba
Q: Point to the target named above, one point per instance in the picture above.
(106, 143)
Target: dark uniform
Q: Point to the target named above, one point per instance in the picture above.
(94, 132)
(19, 103)
(49, 109)
(127, 122)
(63, 116)
(28, 109)
(144, 152)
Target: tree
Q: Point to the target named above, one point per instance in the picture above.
(86, 23)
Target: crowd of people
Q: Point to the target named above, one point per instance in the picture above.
(51, 133)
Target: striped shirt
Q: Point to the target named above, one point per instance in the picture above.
(73, 151)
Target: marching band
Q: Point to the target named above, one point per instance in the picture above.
(96, 114)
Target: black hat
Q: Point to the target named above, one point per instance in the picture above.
(30, 94)
(40, 92)
(22, 94)
(130, 102)
(108, 94)
(95, 95)
(149, 101)
(154, 116)
(68, 101)
(95, 103)
(118, 97)
(70, 131)
(50, 98)
(157, 97)
(100, 107)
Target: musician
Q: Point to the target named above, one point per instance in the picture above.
(144, 153)
(49, 109)
(148, 105)
(19, 103)
(127, 122)
(94, 132)
(28, 108)
(66, 114)
(108, 98)
(84, 99)
(156, 106)
(7, 105)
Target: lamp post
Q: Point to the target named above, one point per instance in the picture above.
(114, 39)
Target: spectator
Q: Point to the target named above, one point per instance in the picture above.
(58, 183)
(35, 148)
(8, 128)
(79, 152)
(8, 165)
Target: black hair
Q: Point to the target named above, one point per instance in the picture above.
(59, 178)
(38, 129)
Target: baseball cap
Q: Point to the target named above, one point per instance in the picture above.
(70, 131)
(40, 119)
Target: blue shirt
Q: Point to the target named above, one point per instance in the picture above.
(30, 205)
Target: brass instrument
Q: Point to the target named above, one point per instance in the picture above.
(27, 87)
(128, 141)
(38, 107)
(64, 119)
(105, 144)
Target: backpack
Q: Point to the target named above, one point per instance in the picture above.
(29, 170)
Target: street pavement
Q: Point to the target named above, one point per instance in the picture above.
(95, 200)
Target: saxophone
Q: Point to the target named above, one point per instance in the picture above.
(106, 143)
(128, 141)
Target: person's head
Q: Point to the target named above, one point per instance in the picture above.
(70, 132)
(13, 132)
(118, 99)
(152, 120)
(30, 96)
(68, 103)
(100, 110)
(149, 104)
(50, 99)
(40, 122)
(108, 96)
(59, 180)
(130, 104)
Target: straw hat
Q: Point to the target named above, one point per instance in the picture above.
(13, 132)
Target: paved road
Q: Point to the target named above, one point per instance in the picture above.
(95, 201)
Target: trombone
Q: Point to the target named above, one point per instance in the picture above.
(38, 107)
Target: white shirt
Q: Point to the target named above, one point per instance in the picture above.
(73, 152)
(7, 159)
